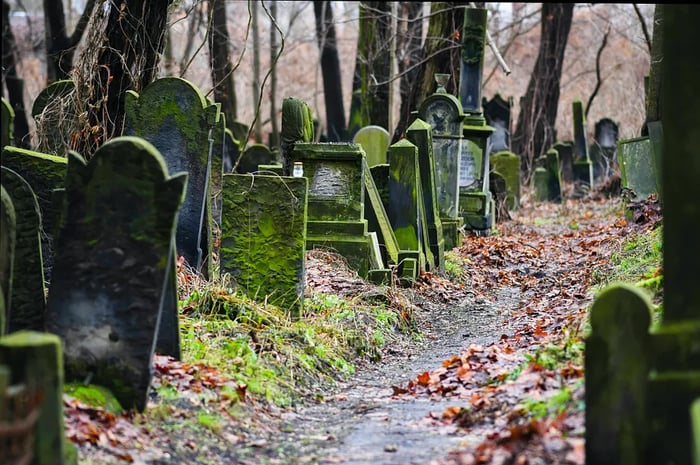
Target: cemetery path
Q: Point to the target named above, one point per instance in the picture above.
(496, 377)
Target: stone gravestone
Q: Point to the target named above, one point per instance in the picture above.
(375, 141)
(497, 115)
(379, 223)
(565, 149)
(8, 120)
(554, 176)
(507, 164)
(645, 404)
(45, 174)
(297, 126)
(28, 298)
(444, 114)
(56, 117)
(173, 115)
(112, 263)
(232, 151)
(603, 152)
(7, 252)
(254, 156)
(263, 237)
(583, 168)
(637, 168)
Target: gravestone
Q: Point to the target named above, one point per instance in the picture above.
(7, 116)
(218, 149)
(28, 296)
(56, 117)
(168, 336)
(583, 168)
(419, 133)
(173, 115)
(475, 202)
(554, 176)
(666, 366)
(540, 182)
(603, 152)
(507, 164)
(232, 151)
(35, 361)
(637, 167)
(443, 112)
(497, 115)
(45, 174)
(254, 156)
(497, 184)
(565, 149)
(297, 126)
(378, 223)
(263, 237)
(375, 141)
(112, 262)
(7, 251)
(407, 212)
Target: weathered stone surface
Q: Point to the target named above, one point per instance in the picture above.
(111, 265)
(603, 152)
(656, 139)
(35, 360)
(232, 151)
(297, 126)
(617, 367)
(637, 167)
(263, 237)
(554, 179)
(7, 117)
(7, 252)
(28, 296)
(375, 141)
(173, 115)
(168, 337)
(473, 42)
(583, 168)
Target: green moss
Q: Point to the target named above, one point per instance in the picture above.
(95, 396)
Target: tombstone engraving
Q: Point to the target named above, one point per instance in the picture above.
(263, 238)
(497, 115)
(7, 251)
(583, 168)
(173, 115)
(28, 302)
(375, 141)
(112, 261)
(7, 117)
(637, 167)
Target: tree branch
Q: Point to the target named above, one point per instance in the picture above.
(647, 38)
(82, 24)
(599, 81)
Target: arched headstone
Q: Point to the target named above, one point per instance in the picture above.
(375, 141)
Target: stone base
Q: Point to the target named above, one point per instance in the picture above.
(451, 232)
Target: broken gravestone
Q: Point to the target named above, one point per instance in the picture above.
(111, 265)
(28, 305)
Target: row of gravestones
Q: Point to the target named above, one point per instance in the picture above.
(643, 378)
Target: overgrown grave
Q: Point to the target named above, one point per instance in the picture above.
(642, 380)
(113, 257)
(174, 116)
(25, 309)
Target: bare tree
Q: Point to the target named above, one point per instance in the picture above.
(408, 54)
(221, 67)
(535, 129)
(12, 81)
(273, 75)
(60, 47)
(330, 69)
(256, 69)
(654, 103)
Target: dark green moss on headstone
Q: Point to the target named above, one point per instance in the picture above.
(508, 165)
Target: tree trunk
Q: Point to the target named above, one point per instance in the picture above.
(330, 68)
(13, 83)
(221, 67)
(440, 51)
(60, 47)
(535, 129)
(256, 72)
(654, 105)
(122, 53)
(275, 139)
(408, 52)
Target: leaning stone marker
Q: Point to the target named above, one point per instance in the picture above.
(174, 116)
(375, 141)
(35, 360)
(28, 301)
(111, 265)
(263, 237)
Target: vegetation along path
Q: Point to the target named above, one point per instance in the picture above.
(481, 364)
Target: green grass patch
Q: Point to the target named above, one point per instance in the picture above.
(455, 266)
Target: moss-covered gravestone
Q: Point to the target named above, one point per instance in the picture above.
(565, 150)
(56, 118)
(35, 361)
(28, 301)
(232, 151)
(7, 252)
(419, 133)
(637, 167)
(507, 164)
(583, 168)
(554, 176)
(7, 120)
(254, 156)
(667, 362)
(173, 115)
(111, 265)
(44, 173)
(378, 221)
(297, 126)
(263, 237)
(375, 141)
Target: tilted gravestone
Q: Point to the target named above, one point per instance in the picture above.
(583, 168)
(263, 237)
(637, 168)
(378, 223)
(112, 263)
(507, 164)
(173, 115)
(497, 115)
(643, 398)
(45, 174)
(7, 118)
(443, 112)
(28, 296)
(603, 151)
(375, 141)
(419, 133)
(7, 252)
